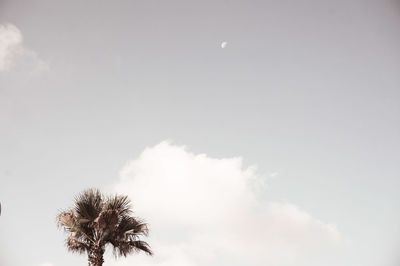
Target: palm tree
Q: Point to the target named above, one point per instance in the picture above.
(96, 221)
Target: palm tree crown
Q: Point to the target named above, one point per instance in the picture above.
(96, 221)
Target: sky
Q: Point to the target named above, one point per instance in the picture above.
(245, 132)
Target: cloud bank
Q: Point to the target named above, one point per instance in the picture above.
(205, 211)
(13, 52)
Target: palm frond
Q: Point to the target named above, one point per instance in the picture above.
(119, 203)
(89, 204)
(67, 220)
(140, 245)
(107, 219)
(75, 245)
(124, 248)
(130, 226)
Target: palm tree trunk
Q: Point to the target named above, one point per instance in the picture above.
(95, 256)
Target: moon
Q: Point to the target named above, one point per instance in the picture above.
(224, 44)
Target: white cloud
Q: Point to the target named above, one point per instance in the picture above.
(10, 45)
(13, 52)
(205, 211)
(46, 264)
(274, 174)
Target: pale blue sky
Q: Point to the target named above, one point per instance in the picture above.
(307, 89)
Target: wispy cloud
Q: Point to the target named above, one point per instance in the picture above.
(13, 53)
(204, 211)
